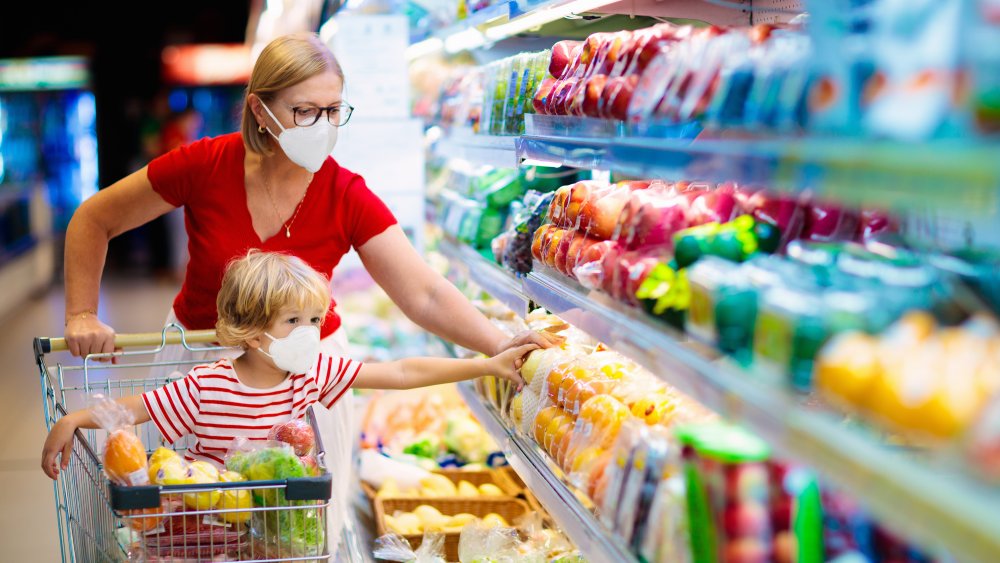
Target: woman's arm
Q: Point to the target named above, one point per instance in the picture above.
(430, 300)
(411, 373)
(60, 438)
(123, 206)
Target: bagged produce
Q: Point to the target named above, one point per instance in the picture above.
(124, 455)
(393, 547)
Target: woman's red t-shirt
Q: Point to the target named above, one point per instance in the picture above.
(207, 178)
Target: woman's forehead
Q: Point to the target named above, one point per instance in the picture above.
(322, 90)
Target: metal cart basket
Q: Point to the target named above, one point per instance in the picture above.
(253, 521)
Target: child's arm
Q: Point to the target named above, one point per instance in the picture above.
(410, 373)
(60, 438)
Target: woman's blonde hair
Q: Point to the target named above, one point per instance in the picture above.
(258, 287)
(283, 63)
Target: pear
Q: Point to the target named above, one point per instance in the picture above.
(467, 489)
(490, 490)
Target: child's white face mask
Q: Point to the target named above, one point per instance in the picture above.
(297, 352)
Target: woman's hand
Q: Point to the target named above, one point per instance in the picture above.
(88, 335)
(539, 339)
(60, 439)
(507, 364)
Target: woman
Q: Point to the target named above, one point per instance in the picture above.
(271, 186)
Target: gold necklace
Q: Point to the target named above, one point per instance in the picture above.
(274, 206)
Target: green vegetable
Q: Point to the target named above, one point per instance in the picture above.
(424, 448)
(266, 465)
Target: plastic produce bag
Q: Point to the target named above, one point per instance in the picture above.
(393, 547)
(124, 454)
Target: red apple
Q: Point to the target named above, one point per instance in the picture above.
(783, 211)
(576, 248)
(296, 433)
(609, 269)
(562, 96)
(576, 199)
(745, 519)
(563, 54)
(541, 100)
(873, 223)
(539, 241)
(563, 252)
(825, 223)
(591, 106)
(656, 221)
(781, 513)
(601, 211)
(549, 256)
(717, 206)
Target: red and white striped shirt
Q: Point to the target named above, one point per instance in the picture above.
(212, 404)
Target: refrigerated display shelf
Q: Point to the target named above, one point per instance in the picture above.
(954, 176)
(499, 151)
(533, 467)
(934, 502)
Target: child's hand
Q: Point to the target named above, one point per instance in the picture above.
(60, 439)
(507, 364)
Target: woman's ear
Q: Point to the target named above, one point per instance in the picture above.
(257, 108)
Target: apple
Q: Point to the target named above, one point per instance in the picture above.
(297, 433)
(872, 223)
(563, 55)
(781, 513)
(746, 519)
(825, 222)
(600, 212)
(576, 248)
(718, 206)
(783, 211)
(540, 101)
(538, 241)
(591, 106)
(562, 253)
(562, 96)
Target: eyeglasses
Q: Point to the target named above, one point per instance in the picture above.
(338, 115)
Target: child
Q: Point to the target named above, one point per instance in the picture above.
(272, 306)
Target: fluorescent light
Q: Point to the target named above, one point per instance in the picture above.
(542, 17)
(423, 48)
(464, 40)
(541, 163)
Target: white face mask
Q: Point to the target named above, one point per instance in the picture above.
(296, 352)
(306, 146)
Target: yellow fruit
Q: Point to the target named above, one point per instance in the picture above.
(231, 477)
(847, 366)
(530, 366)
(655, 409)
(490, 490)
(161, 454)
(431, 518)
(406, 523)
(517, 410)
(460, 520)
(467, 489)
(168, 471)
(439, 483)
(493, 520)
(585, 458)
(202, 472)
(232, 499)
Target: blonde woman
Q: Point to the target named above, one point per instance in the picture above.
(273, 186)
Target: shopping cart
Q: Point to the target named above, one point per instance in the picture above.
(258, 521)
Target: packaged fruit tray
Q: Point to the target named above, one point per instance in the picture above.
(507, 508)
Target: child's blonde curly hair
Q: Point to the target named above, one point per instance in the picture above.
(258, 287)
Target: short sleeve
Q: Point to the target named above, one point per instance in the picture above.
(368, 215)
(172, 174)
(173, 407)
(336, 376)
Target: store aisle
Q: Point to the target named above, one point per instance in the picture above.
(27, 517)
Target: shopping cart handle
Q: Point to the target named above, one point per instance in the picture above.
(49, 345)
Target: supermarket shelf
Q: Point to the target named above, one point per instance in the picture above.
(488, 276)
(488, 150)
(937, 504)
(505, 20)
(956, 176)
(578, 523)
